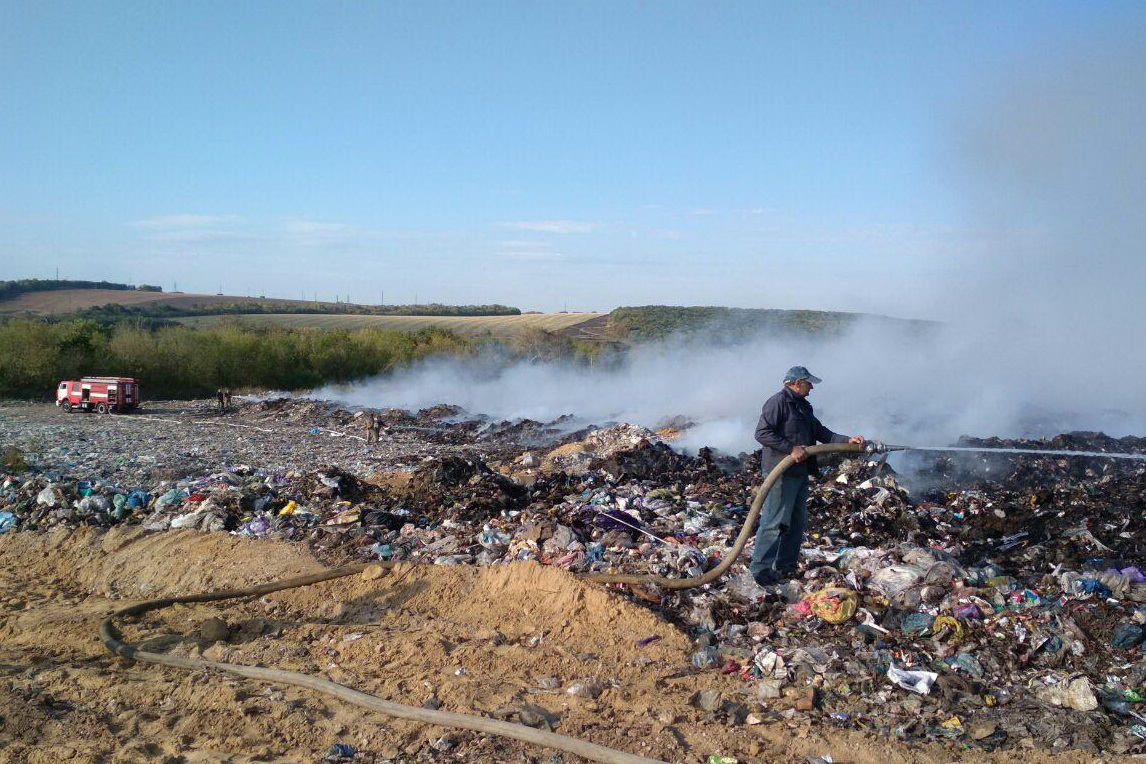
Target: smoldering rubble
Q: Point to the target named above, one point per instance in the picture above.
(993, 600)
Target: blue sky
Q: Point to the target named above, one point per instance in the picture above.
(878, 157)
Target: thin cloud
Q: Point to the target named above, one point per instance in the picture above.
(185, 220)
(529, 251)
(202, 236)
(314, 227)
(553, 226)
(318, 232)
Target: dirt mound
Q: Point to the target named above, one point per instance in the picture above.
(521, 642)
(490, 640)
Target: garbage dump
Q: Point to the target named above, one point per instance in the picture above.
(990, 600)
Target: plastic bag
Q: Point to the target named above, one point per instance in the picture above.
(893, 579)
(916, 681)
(835, 605)
(1127, 635)
(706, 658)
(587, 688)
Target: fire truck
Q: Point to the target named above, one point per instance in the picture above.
(99, 394)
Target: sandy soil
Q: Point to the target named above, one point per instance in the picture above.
(476, 640)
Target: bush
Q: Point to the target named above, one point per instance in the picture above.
(14, 459)
(179, 361)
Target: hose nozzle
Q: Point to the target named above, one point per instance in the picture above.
(875, 447)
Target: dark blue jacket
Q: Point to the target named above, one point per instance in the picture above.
(787, 421)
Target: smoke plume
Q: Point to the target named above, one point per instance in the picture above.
(1040, 336)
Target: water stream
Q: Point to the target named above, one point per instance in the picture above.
(1041, 452)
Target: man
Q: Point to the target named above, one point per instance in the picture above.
(787, 425)
(371, 424)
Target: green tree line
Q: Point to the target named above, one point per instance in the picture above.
(181, 362)
(164, 311)
(13, 288)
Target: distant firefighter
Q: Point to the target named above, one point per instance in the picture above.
(371, 424)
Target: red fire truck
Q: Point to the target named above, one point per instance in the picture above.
(99, 394)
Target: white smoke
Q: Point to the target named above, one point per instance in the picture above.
(1040, 337)
(1052, 315)
(899, 385)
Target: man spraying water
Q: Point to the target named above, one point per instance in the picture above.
(787, 425)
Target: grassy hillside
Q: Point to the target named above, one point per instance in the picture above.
(187, 345)
(104, 302)
(149, 307)
(73, 300)
(717, 324)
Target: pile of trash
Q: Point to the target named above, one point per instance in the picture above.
(992, 600)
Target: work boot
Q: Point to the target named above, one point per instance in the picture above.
(766, 579)
(768, 597)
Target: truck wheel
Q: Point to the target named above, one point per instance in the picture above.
(66, 406)
(101, 408)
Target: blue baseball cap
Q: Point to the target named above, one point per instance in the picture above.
(797, 373)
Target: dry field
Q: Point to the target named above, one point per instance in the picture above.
(68, 300)
(588, 325)
(498, 326)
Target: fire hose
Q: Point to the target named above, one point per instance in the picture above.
(111, 639)
(110, 635)
(726, 562)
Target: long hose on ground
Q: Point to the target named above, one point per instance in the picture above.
(111, 639)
